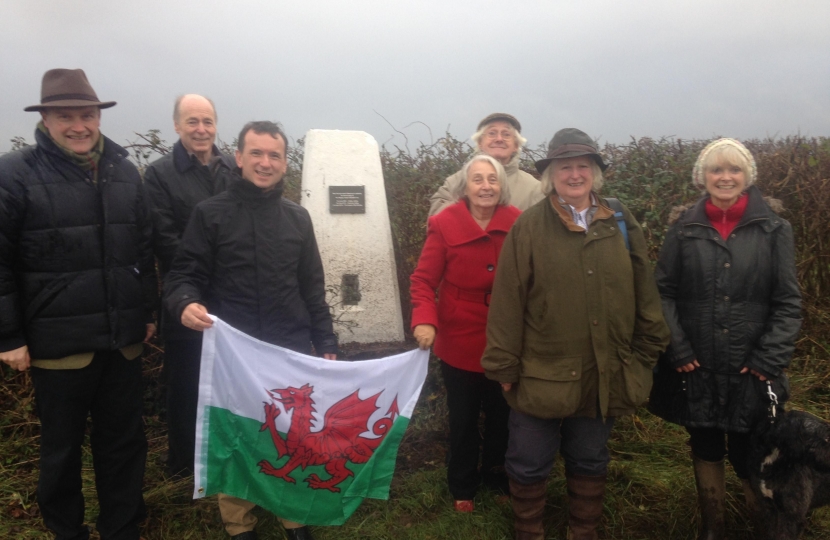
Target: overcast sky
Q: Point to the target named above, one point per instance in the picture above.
(613, 68)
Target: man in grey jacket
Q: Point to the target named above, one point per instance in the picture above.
(498, 135)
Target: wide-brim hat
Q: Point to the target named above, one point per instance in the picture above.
(500, 117)
(67, 88)
(570, 142)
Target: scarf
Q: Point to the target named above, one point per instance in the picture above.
(87, 162)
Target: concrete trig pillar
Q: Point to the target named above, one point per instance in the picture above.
(342, 188)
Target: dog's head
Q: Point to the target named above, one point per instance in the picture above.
(802, 437)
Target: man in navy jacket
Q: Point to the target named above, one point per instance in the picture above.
(77, 291)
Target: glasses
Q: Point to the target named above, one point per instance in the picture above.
(495, 134)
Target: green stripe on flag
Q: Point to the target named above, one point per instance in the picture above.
(236, 445)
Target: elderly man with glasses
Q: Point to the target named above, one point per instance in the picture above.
(498, 136)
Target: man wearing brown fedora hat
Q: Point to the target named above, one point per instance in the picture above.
(499, 135)
(77, 291)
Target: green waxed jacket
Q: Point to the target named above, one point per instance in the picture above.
(575, 319)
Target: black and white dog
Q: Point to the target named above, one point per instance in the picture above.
(789, 471)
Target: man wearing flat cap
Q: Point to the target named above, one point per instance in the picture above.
(499, 136)
(176, 183)
(77, 290)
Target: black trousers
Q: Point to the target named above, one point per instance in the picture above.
(469, 393)
(109, 390)
(182, 358)
(710, 444)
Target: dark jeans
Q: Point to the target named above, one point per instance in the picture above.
(468, 393)
(534, 443)
(710, 444)
(108, 390)
(181, 368)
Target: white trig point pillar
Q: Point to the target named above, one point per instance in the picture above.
(343, 190)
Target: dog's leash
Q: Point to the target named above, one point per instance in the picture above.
(773, 404)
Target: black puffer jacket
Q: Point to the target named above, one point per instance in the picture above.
(76, 266)
(730, 304)
(251, 257)
(176, 183)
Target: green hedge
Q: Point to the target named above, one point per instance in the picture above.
(650, 176)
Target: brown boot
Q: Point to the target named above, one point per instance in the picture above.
(528, 508)
(711, 493)
(585, 497)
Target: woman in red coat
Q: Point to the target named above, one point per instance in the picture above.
(459, 261)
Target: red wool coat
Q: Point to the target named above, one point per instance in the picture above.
(459, 260)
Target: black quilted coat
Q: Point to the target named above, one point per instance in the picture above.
(251, 258)
(76, 266)
(730, 304)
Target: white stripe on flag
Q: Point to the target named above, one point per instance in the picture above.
(238, 371)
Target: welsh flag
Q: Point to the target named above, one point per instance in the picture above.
(305, 438)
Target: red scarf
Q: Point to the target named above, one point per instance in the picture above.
(725, 221)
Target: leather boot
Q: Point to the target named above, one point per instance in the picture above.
(585, 497)
(711, 494)
(528, 508)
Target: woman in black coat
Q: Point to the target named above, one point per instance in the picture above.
(727, 279)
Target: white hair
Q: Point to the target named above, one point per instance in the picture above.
(504, 195)
(547, 181)
(520, 141)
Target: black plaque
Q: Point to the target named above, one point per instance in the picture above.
(347, 199)
(350, 290)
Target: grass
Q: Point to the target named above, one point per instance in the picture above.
(650, 495)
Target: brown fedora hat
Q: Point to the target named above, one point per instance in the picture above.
(570, 142)
(67, 88)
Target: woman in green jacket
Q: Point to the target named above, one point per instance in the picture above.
(574, 329)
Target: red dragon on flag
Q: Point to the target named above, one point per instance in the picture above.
(339, 441)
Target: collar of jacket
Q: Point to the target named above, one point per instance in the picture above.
(183, 160)
(253, 195)
(756, 210)
(603, 212)
(512, 166)
(112, 152)
(464, 229)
